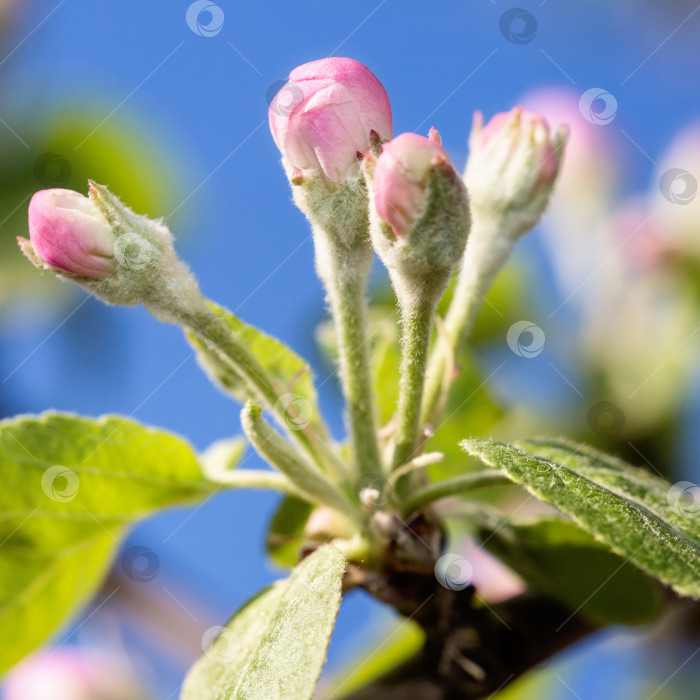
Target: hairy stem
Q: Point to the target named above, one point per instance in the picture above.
(306, 477)
(485, 255)
(258, 479)
(417, 311)
(451, 487)
(345, 271)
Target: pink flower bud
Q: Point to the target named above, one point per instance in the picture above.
(68, 232)
(592, 153)
(512, 167)
(522, 124)
(401, 179)
(324, 115)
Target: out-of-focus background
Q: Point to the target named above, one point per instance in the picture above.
(171, 113)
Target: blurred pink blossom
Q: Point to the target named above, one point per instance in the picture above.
(70, 674)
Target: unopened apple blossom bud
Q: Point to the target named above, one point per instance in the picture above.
(419, 211)
(324, 116)
(323, 120)
(513, 164)
(512, 167)
(103, 246)
(419, 224)
(69, 233)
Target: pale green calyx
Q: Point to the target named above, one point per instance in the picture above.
(339, 209)
(148, 270)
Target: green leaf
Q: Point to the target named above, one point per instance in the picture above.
(284, 538)
(286, 370)
(558, 558)
(275, 646)
(71, 486)
(628, 509)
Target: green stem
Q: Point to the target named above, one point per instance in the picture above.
(306, 477)
(345, 271)
(417, 310)
(451, 487)
(482, 262)
(258, 479)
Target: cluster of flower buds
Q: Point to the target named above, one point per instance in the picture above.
(363, 193)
